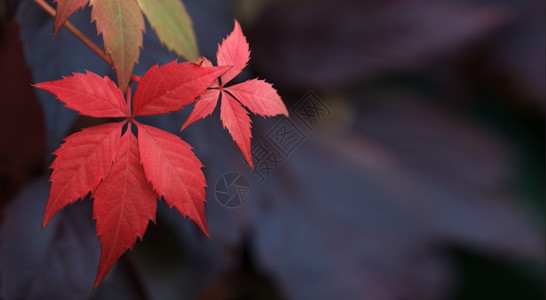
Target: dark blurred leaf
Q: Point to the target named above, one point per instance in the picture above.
(372, 213)
(327, 44)
(519, 50)
(23, 141)
(465, 170)
(24, 147)
(58, 262)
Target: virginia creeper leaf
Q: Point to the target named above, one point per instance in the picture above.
(259, 97)
(233, 52)
(235, 118)
(123, 205)
(121, 24)
(58, 262)
(82, 162)
(173, 26)
(172, 86)
(89, 94)
(65, 8)
(174, 171)
(204, 107)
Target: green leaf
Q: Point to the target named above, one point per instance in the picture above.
(173, 26)
(121, 24)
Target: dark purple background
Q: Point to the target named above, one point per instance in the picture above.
(425, 181)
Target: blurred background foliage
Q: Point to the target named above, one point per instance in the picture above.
(426, 182)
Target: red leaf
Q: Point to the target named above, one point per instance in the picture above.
(204, 107)
(89, 94)
(233, 52)
(235, 118)
(172, 86)
(124, 203)
(65, 8)
(174, 172)
(82, 162)
(121, 24)
(259, 97)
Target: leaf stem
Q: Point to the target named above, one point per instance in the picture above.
(128, 100)
(100, 52)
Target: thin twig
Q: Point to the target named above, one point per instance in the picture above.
(50, 10)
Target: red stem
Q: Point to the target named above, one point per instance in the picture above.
(128, 100)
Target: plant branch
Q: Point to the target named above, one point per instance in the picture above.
(50, 10)
(84, 39)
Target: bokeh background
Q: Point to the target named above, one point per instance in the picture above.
(424, 181)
